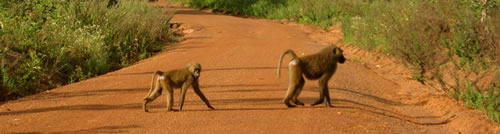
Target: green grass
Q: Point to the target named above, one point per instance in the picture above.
(488, 101)
(48, 43)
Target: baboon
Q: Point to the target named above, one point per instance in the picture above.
(321, 65)
(178, 78)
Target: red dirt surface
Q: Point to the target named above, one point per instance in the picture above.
(370, 92)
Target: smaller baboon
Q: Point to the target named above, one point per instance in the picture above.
(178, 78)
(321, 65)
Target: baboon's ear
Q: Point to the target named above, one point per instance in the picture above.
(337, 51)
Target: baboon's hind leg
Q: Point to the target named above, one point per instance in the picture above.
(294, 78)
(300, 86)
(151, 97)
(169, 91)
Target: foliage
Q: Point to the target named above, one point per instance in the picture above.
(488, 101)
(47, 43)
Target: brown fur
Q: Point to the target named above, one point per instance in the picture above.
(178, 78)
(321, 65)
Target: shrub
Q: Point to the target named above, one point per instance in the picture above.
(488, 101)
(47, 43)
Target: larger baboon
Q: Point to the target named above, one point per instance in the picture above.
(321, 65)
(178, 78)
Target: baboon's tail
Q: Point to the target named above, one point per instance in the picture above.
(293, 56)
(153, 82)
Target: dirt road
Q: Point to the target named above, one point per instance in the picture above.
(239, 58)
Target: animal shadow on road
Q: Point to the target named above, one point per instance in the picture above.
(65, 95)
(381, 100)
(395, 115)
(351, 104)
(86, 107)
(105, 129)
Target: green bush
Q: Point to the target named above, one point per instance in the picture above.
(47, 43)
(488, 101)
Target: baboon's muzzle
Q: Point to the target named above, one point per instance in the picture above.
(342, 59)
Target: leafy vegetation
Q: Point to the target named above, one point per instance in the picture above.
(437, 38)
(487, 101)
(48, 43)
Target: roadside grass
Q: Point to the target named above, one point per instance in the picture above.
(437, 39)
(49, 43)
(486, 101)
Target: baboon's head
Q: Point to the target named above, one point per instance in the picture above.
(340, 54)
(194, 68)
